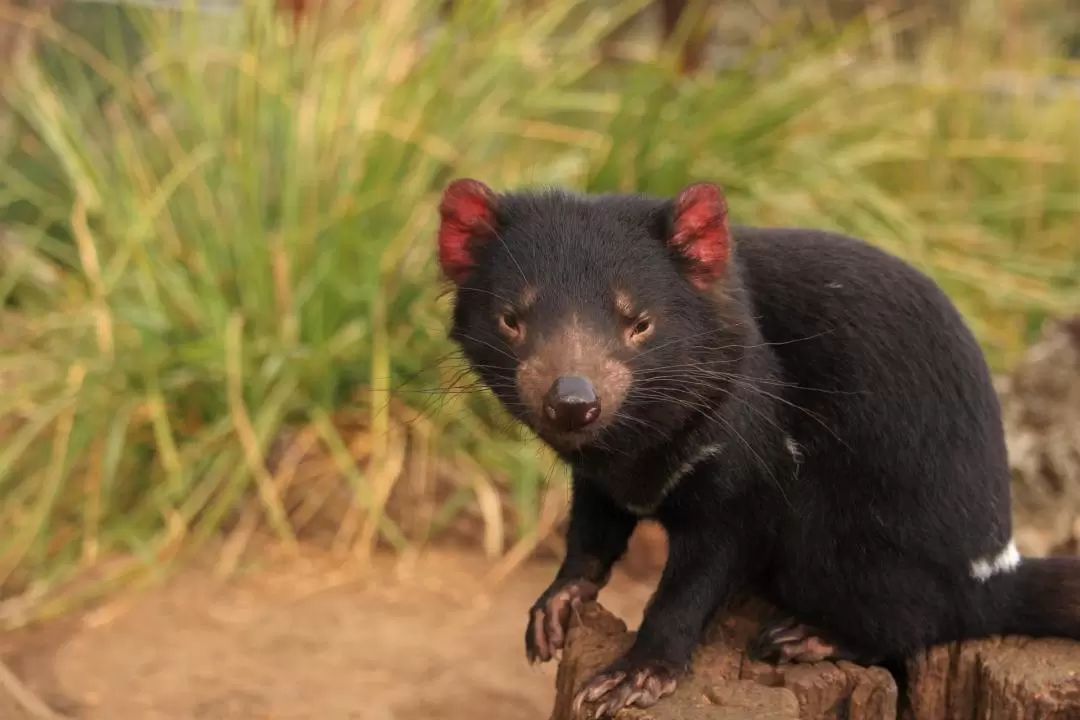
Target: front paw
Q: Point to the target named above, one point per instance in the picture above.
(625, 684)
(549, 617)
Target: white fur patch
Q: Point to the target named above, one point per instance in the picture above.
(1005, 561)
(705, 453)
(793, 448)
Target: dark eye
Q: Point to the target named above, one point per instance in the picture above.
(639, 330)
(509, 323)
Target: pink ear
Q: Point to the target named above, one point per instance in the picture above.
(467, 213)
(700, 232)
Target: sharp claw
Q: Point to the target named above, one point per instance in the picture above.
(615, 690)
(579, 701)
(557, 622)
(596, 689)
(787, 630)
(793, 642)
(604, 687)
(550, 619)
(539, 637)
(609, 707)
(620, 698)
(633, 697)
(554, 635)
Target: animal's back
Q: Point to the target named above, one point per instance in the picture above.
(890, 403)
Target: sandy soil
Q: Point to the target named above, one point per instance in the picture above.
(304, 639)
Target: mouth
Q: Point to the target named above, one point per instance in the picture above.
(568, 440)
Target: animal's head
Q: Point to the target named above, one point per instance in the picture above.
(585, 314)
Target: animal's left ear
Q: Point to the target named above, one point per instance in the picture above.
(699, 232)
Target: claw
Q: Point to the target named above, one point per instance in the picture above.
(626, 685)
(789, 641)
(596, 689)
(549, 618)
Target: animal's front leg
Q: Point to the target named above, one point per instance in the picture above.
(703, 569)
(598, 535)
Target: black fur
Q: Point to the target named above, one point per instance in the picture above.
(898, 479)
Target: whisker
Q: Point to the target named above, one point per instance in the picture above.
(751, 385)
(497, 349)
(510, 253)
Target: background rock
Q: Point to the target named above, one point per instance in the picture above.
(1041, 411)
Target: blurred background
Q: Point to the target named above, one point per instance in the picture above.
(242, 471)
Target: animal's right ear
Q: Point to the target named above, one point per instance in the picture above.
(467, 217)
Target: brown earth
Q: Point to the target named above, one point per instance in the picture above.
(303, 638)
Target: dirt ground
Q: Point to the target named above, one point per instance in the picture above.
(303, 639)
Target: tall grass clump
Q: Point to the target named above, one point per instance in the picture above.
(965, 160)
(224, 291)
(241, 221)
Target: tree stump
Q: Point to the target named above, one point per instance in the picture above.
(992, 679)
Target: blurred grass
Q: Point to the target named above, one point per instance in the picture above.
(218, 275)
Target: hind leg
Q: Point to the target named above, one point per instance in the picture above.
(865, 608)
(786, 640)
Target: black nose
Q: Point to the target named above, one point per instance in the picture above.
(571, 403)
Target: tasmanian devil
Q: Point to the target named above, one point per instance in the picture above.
(808, 417)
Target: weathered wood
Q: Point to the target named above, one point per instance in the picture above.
(994, 679)
(997, 679)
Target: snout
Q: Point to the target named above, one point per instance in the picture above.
(571, 404)
(570, 387)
